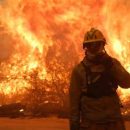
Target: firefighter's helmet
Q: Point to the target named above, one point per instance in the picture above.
(93, 36)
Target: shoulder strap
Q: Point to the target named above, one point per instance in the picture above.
(88, 72)
(107, 61)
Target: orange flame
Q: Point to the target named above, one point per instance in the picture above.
(37, 25)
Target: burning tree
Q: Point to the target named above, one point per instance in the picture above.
(41, 42)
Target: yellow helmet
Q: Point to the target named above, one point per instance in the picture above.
(93, 36)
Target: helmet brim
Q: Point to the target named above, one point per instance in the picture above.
(94, 41)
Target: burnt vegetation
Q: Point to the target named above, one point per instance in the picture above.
(43, 97)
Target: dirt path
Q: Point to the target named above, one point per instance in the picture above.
(37, 124)
(33, 124)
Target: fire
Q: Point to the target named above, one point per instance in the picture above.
(36, 26)
(116, 15)
(117, 46)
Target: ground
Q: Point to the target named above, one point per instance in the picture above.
(52, 123)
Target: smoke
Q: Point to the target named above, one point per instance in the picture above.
(2, 1)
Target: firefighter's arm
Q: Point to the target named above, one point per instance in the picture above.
(121, 75)
(75, 91)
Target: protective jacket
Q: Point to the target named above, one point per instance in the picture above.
(93, 97)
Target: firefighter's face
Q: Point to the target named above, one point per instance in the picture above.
(94, 48)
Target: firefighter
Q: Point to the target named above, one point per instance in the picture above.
(94, 103)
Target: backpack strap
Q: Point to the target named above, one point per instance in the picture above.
(106, 85)
(88, 72)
